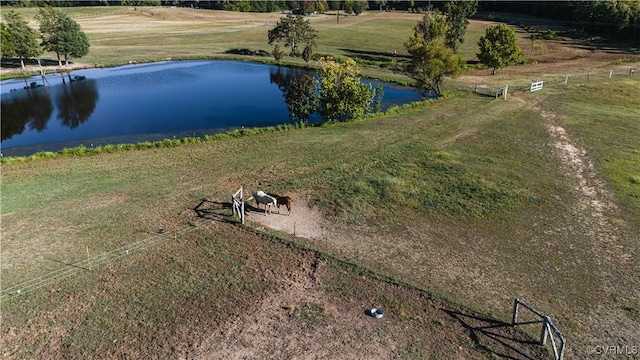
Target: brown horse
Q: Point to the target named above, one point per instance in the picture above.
(283, 200)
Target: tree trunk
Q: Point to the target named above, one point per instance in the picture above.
(59, 61)
(22, 63)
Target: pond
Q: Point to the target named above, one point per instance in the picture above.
(150, 102)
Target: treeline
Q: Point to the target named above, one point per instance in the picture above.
(612, 18)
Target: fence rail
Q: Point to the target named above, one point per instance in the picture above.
(238, 204)
(535, 86)
(491, 91)
(548, 81)
(575, 78)
(548, 328)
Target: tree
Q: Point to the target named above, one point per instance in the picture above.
(431, 60)
(342, 96)
(307, 54)
(277, 53)
(359, 6)
(61, 34)
(302, 99)
(25, 38)
(322, 6)
(241, 6)
(75, 41)
(293, 30)
(7, 42)
(308, 6)
(349, 6)
(457, 13)
(499, 47)
(382, 4)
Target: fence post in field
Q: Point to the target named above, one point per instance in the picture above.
(545, 333)
(566, 79)
(88, 258)
(506, 88)
(610, 73)
(514, 319)
(589, 75)
(237, 204)
(631, 71)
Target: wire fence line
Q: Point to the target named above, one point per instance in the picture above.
(583, 77)
(555, 80)
(86, 265)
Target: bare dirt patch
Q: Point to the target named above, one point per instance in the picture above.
(302, 319)
(303, 221)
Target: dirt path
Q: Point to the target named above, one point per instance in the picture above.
(595, 199)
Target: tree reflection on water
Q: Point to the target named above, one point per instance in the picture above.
(32, 106)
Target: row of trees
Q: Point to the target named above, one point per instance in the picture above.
(308, 6)
(613, 18)
(59, 33)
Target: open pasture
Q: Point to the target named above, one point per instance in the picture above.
(440, 215)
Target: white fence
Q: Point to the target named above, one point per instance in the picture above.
(535, 86)
(238, 204)
(490, 91)
(574, 78)
(548, 328)
(551, 81)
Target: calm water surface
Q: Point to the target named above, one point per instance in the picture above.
(149, 102)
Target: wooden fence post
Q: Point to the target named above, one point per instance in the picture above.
(88, 258)
(610, 73)
(506, 88)
(589, 75)
(566, 79)
(514, 319)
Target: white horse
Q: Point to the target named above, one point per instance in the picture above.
(262, 198)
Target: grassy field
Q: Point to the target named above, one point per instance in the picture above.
(451, 208)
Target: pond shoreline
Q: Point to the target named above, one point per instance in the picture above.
(140, 103)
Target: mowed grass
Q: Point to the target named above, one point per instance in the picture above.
(123, 35)
(465, 197)
(607, 126)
